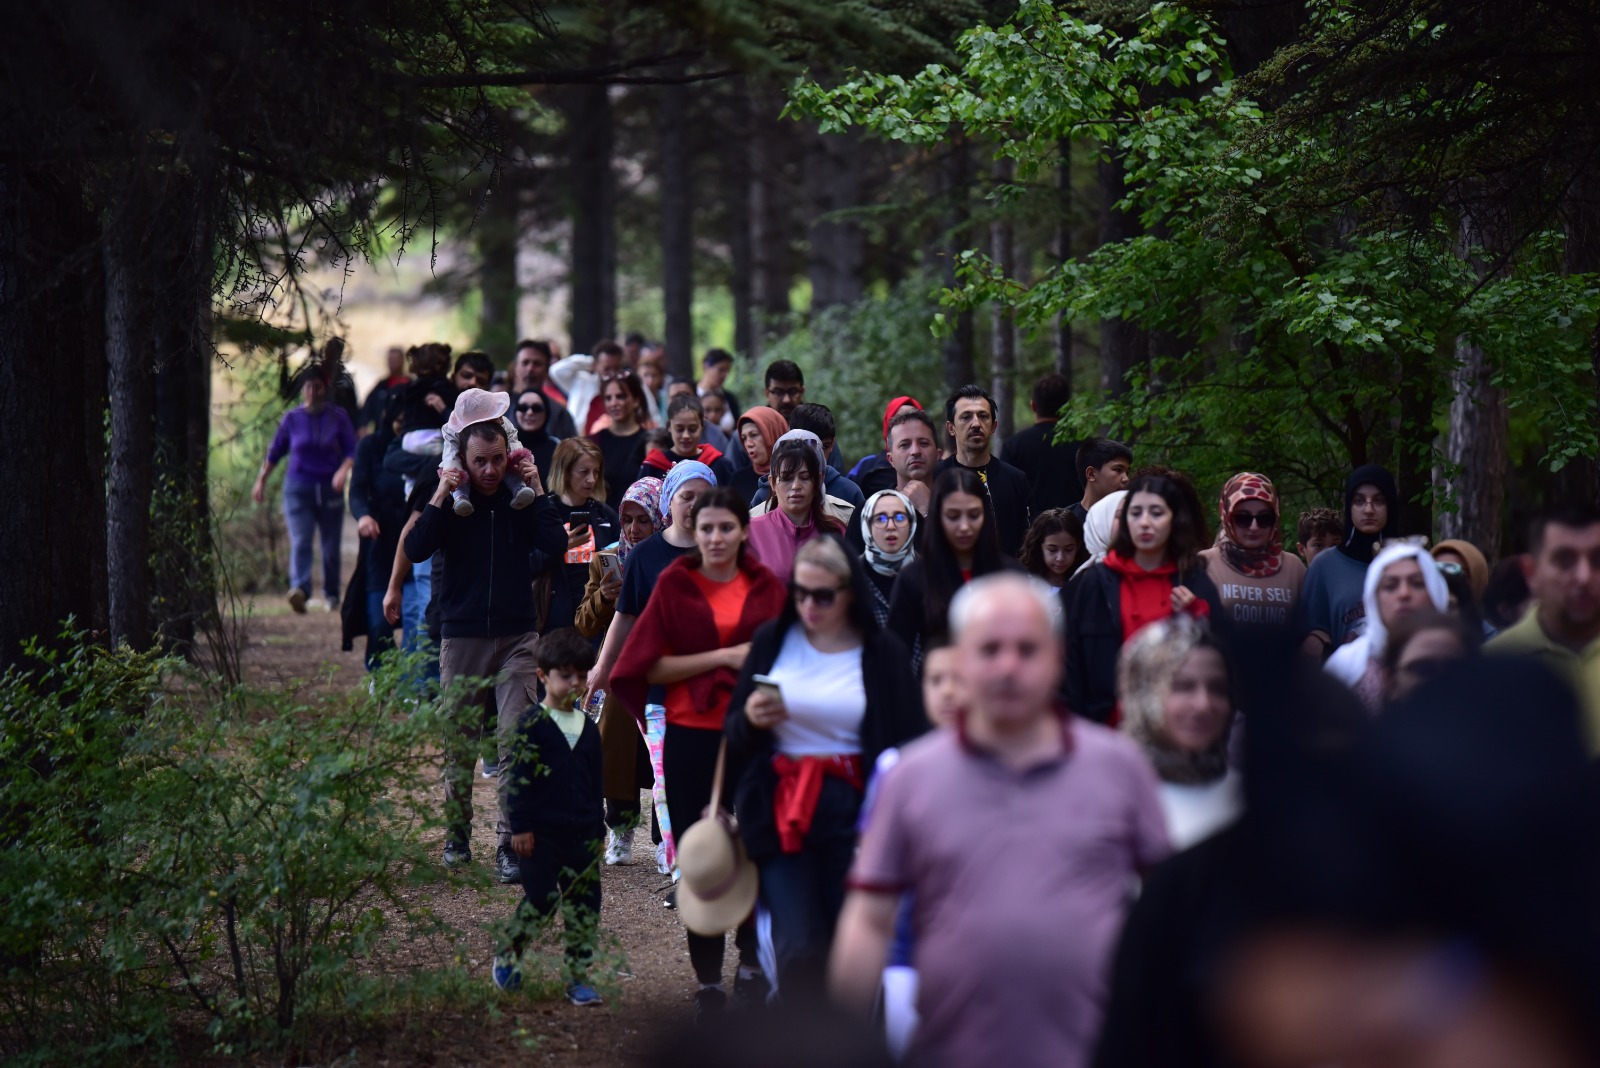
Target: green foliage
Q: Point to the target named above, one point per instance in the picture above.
(1293, 336)
(174, 847)
(857, 356)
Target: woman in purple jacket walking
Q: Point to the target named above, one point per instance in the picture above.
(320, 442)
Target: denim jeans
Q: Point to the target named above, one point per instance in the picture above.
(414, 597)
(313, 508)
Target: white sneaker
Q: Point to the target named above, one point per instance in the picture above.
(661, 859)
(620, 851)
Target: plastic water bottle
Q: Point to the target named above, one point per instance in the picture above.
(597, 701)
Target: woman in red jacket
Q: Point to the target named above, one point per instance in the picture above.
(1152, 571)
(693, 638)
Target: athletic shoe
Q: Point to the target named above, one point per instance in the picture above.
(671, 900)
(457, 854)
(507, 972)
(491, 768)
(297, 601)
(331, 603)
(710, 1006)
(506, 868)
(661, 859)
(620, 851)
(584, 996)
(750, 995)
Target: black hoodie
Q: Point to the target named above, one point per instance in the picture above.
(489, 593)
(1364, 547)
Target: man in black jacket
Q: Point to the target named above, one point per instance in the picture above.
(554, 800)
(970, 422)
(486, 614)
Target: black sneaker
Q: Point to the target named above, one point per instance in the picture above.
(457, 854)
(710, 1006)
(671, 900)
(506, 868)
(750, 995)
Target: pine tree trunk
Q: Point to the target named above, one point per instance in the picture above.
(960, 363)
(1003, 365)
(1477, 452)
(771, 233)
(130, 356)
(677, 232)
(737, 193)
(1063, 335)
(495, 234)
(594, 244)
(52, 406)
(1123, 345)
(185, 582)
(837, 246)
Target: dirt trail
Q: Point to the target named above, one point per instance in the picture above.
(657, 986)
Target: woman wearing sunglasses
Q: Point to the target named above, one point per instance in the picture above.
(1258, 584)
(532, 413)
(889, 529)
(801, 741)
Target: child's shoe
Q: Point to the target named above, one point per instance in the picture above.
(463, 505)
(524, 497)
(507, 973)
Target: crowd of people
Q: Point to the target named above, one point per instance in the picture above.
(957, 734)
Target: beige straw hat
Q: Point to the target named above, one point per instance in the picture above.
(718, 886)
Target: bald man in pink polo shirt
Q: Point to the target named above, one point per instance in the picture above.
(1020, 836)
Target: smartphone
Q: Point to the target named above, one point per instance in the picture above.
(579, 519)
(769, 686)
(609, 564)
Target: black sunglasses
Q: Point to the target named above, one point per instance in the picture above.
(530, 407)
(1264, 520)
(823, 598)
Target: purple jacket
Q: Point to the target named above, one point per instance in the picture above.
(316, 444)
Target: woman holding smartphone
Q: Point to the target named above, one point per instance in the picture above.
(578, 490)
(805, 725)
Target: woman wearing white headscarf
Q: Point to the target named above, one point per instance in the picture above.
(1100, 527)
(1402, 580)
(889, 531)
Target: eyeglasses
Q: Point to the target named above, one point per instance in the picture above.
(530, 407)
(787, 394)
(1449, 567)
(822, 598)
(613, 376)
(1264, 520)
(885, 519)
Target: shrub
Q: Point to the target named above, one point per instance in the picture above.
(172, 847)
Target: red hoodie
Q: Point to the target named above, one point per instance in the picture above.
(662, 462)
(1146, 596)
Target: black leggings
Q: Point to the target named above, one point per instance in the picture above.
(688, 763)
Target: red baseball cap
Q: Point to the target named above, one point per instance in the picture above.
(894, 406)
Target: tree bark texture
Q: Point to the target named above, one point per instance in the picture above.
(1123, 344)
(772, 192)
(1064, 220)
(52, 406)
(1477, 451)
(738, 195)
(130, 357)
(1003, 351)
(495, 234)
(677, 232)
(594, 197)
(837, 246)
(959, 347)
(181, 558)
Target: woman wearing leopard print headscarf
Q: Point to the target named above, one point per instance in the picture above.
(1258, 582)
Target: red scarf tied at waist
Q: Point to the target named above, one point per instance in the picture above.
(800, 786)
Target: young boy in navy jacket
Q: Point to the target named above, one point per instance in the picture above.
(555, 808)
